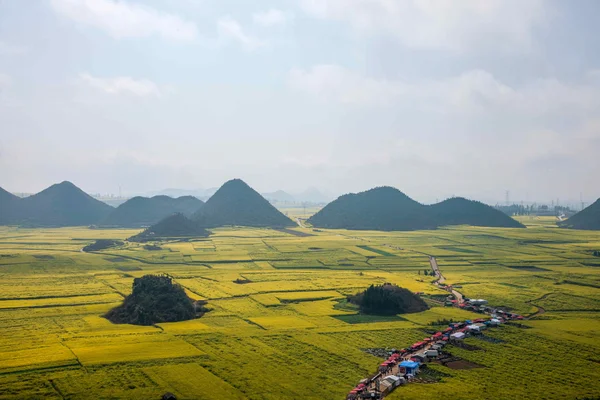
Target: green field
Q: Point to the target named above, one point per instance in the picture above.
(283, 333)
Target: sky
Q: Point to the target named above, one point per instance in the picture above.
(438, 98)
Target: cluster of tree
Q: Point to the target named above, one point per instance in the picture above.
(533, 209)
(388, 299)
(155, 299)
(102, 244)
(427, 272)
(145, 211)
(388, 209)
(62, 204)
(596, 253)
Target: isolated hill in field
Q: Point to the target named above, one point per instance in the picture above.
(388, 299)
(173, 226)
(9, 207)
(460, 211)
(145, 211)
(588, 218)
(383, 208)
(62, 204)
(279, 195)
(236, 203)
(155, 299)
(388, 209)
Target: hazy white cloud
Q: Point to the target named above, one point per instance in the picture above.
(230, 29)
(122, 85)
(334, 82)
(123, 19)
(5, 80)
(440, 24)
(8, 49)
(474, 91)
(271, 17)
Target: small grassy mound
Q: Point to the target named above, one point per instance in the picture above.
(102, 244)
(155, 299)
(388, 299)
(172, 227)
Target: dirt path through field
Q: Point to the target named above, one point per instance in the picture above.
(436, 270)
(540, 310)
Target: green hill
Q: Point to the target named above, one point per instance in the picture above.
(388, 299)
(236, 203)
(388, 209)
(383, 208)
(460, 211)
(9, 207)
(173, 226)
(145, 211)
(587, 219)
(155, 299)
(62, 204)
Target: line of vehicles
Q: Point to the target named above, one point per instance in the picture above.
(402, 366)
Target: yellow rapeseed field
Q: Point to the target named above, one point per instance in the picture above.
(279, 326)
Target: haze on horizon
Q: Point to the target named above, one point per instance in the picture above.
(436, 98)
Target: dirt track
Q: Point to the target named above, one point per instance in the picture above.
(436, 270)
(540, 310)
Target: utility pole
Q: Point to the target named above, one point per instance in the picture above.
(507, 198)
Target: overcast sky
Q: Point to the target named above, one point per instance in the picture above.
(434, 97)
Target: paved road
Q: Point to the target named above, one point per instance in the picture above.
(300, 224)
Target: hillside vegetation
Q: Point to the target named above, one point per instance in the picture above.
(388, 299)
(62, 204)
(102, 244)
(382, 208)
(145, 211)
(173, 226)
(8, 207)
(460, 211)
(588, 218)
(236, 203)
(154, 299)
(388, 209)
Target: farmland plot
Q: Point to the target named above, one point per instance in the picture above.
(277, 329)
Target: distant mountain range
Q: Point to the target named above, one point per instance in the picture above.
(313, 195)
(236, 203)
(202, 194)
(145, 211)
(62, 204)
(388, 209)
(310, 195)
(8, 207)
(588, 218)
(279, 196)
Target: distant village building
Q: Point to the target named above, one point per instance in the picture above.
(478, 302)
